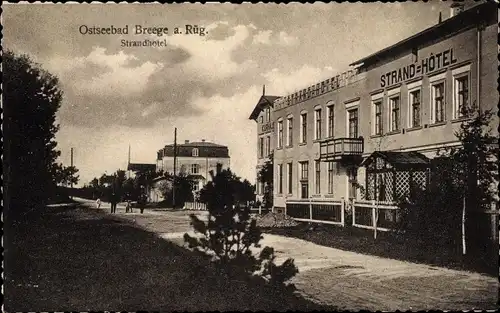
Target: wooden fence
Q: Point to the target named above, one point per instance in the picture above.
(195, 206)
(317, 211)
(259, 210)
(376, 215)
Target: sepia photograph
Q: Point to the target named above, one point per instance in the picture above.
(250, 157)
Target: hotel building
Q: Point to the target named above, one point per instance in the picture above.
(397, 106)
(265, 136)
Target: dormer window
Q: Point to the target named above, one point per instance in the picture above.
(195, 152)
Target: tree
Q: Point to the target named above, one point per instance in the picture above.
(247, 191)
(266, 177)
(466, 175)
(475, 169)
(66, 175)
(230, 234)
(31, 98)
(183, 188)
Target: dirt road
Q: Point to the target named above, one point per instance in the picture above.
(354, 281)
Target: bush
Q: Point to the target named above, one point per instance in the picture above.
(230, 237)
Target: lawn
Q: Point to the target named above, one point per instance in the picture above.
(70, 258)
(387, 245)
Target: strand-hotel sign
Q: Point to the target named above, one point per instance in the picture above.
(430, 64)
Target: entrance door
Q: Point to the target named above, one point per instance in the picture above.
(352, 178)
(304, 193)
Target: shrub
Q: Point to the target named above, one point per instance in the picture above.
(231, 237)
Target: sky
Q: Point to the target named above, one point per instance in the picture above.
(205, 86)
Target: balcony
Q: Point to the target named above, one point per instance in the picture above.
(341, 149)
(267, 127)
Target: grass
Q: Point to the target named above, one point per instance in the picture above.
(78, 259)
(388, 245)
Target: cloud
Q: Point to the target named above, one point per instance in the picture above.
(263, 37)
(267, 37)
(212, 59)
(112, 73)
(283, 83)
(288, 40)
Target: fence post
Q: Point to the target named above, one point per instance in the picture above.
(374, 219)
(310, 209)
(353, 206)
(260, 209)
(464, 247)
(342, 209)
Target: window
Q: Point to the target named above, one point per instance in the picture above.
(280, 178)
(268, 145)
(195, 168)
(415, 100)
(395, 113)
(289, 134)
(377, 108)
(304, 171)
(353, 123)
(352, 176)
(317, 124)
(261, 147)
(304, 183)
(194, 152)
(303, 128)
(437, 102)
(330, 120)
(461, 96)
(280, 134)
(261, 119)
(317, 167)
(414, 53)
(290, 177)
(196, 186)
(330, 177)
(268, 114)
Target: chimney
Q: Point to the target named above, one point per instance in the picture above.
(203, 140)
(186, 141)
(456, 8)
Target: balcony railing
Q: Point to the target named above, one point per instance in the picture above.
(267, 127)
(335, 149)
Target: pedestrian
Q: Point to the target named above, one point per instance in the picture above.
(128, 207)
(113, 201)
(142, 202)
(98, 203)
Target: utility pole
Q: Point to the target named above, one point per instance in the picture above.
(175, 168)
(128, 164)
(71, 167)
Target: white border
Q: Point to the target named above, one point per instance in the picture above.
(461, 70)
(349, 105)
(437, 77)
(393, 91)
(414, 85)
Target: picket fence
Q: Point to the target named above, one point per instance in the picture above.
(195, 206)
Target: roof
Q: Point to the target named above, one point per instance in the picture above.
(141, 167)
(263, 101)
(197, 144)
(196, 176)
(195, 150)
(397, 158)
(466, 19)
